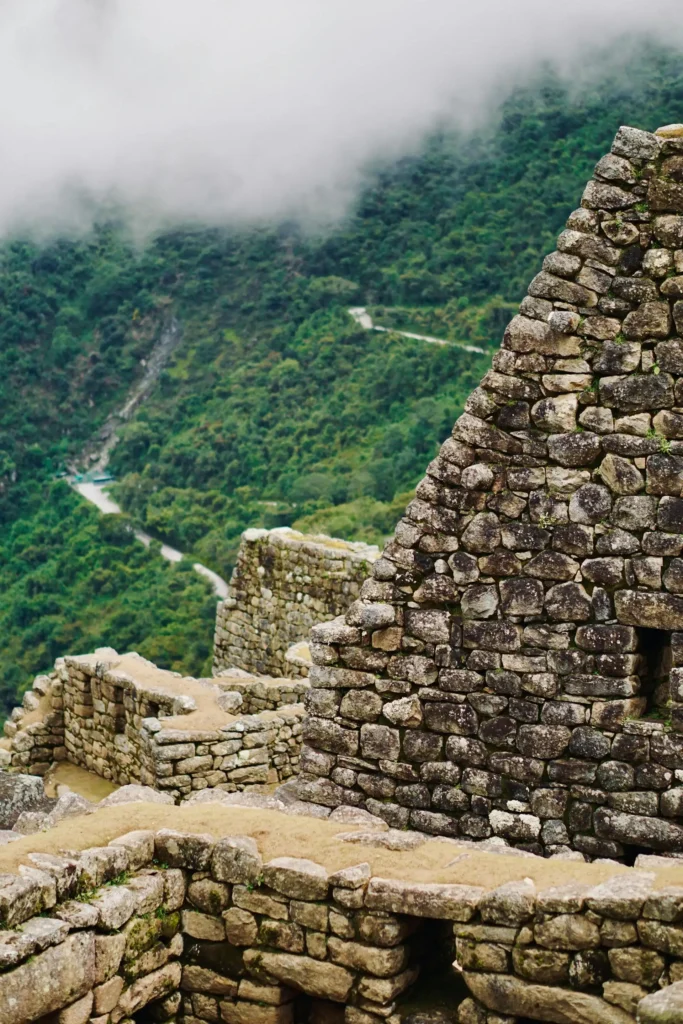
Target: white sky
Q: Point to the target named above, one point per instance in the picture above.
(220, 110)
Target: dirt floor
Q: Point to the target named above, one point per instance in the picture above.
(80, 780)
(281, 835)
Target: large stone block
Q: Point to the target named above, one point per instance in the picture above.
(511, 996)
(316, 978)
(50, 981)
(650, 609)
(424, 899)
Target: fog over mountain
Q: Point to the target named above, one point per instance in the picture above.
(228, 110)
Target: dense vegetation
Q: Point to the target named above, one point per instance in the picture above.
(276, 408)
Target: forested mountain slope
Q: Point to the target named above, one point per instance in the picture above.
(276, 408)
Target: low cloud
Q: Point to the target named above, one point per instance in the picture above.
(221, 111)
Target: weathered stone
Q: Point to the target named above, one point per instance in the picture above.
(511, 996)
(106, 996)
(621, 897)
(547, 286)
(568, 602)
(379, 741)
(148, 989)
(361, 705)
(617, 358)
(236, 859)
(49, 981)
(482, 534)
(479, 601)
(316, 978)
(459, 719)
(326, 735)
(638, 831)
(663, 1007)
(590, 504)
(653, 610)
(241, 928)
(424, 899)
(183, 849)
(573, 450)
(664, 474)
(406, 711)
(550, 565)
(637, 966)
(509, 904)
(521, 596)
(201, 979)
(203, 926)
(296, 878)
(19, 793)
(556, 414)
(620, 475)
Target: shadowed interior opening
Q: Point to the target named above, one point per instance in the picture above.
(439, 988)
(316, 1011)
(119, 711)
(655, 648)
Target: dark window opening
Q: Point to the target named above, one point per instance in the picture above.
(119, 711)
(152, 710)
(439, 986)
(655, 650)
(317, 1011)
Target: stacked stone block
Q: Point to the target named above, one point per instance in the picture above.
(182, 928)
(496, 674)
(262, 693)
(35, 745)
(252, 750)
(284, 583)
(104, 720)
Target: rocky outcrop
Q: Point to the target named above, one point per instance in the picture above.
(20, 794)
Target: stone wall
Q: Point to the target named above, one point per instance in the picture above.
(514, 664)
(284, 583)
(262, 693)
(174, 926)
(110, 714)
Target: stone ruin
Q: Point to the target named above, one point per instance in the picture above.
(509, 679)
(514, 664)
(130, 722)
(166, 926)
(284, 583)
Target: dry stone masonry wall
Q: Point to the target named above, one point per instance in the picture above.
(514, 664)
(181, 928)
(282, 585)
(110, 715)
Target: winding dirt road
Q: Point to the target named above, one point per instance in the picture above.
(98, 453)
(364, 320)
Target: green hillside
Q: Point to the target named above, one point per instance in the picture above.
(277, 408)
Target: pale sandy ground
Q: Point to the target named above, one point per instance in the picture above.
(79, 780)
(281, 835)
